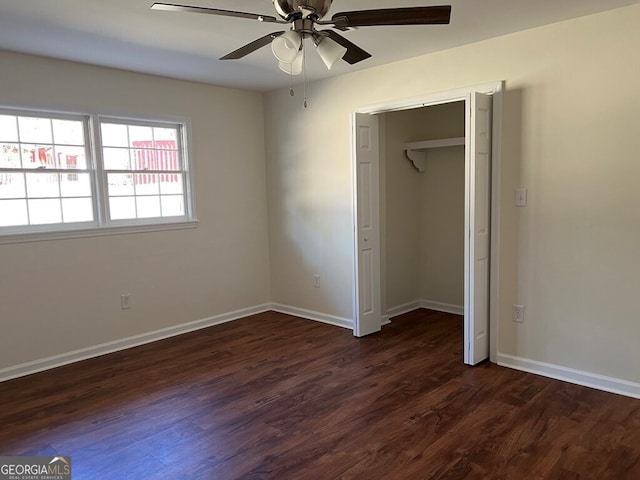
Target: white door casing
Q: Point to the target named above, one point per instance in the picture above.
(477, 227)
(367, 215)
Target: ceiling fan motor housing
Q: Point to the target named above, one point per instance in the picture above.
(286, 8)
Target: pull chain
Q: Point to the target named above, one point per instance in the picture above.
(304, 74)
(291, 92)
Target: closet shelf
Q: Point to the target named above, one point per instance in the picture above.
(417, 151)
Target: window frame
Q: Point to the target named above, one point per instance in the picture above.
(102, 224)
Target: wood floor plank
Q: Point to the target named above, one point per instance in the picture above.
(273, 396)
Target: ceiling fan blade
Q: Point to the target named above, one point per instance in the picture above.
(171, 7)
(394, 16)
(251, 47)
(354, 53)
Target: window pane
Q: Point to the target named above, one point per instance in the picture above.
(42, 185)
(144, 159)
(9, 155)
(148, 207)
(140, 136)
(167, 156)
(8, 128)
(171, 183)
(147, 184)
(77, 210)
(44, 211)
(35, 130)
(13, 213)
(38, 156)
(170, 134)
(68, 132)
(71, 157)
(120, 184)
(121, 208)
(116, 159)
(172, 206)
(114, 135)
(12, 185)
(75, 185)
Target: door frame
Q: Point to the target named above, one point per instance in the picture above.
(495, 89)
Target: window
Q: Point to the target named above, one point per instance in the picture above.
(36, 157)
(142, 164)
(54, 178)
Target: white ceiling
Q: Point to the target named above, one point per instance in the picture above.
(127, 34)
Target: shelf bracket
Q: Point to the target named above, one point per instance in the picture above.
(418, 158)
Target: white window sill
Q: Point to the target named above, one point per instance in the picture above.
(95, 232)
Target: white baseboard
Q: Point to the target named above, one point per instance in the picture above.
(442, 307)
(429, 304)
(571, 375)
(579, 377)
(129, 342)
(402, 309)
(311, 315)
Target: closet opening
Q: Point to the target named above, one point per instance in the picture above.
(422, 211)
(422, 208)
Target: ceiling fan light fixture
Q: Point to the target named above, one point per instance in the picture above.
(286, 46)
(303, 16)
(293, 68)
(330, 51)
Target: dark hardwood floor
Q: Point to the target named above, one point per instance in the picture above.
(277, 397)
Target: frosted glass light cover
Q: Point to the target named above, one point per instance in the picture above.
(286, 46)
(292, 68)
(330, 52)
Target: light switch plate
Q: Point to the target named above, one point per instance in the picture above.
(521, 197)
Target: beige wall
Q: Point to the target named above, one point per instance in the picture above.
(442, 227)
(402, 206)
(569, 135)
(424, 211)
(59, 296)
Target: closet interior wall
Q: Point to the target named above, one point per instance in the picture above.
(422, 213)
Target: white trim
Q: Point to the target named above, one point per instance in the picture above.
(436, 98)
(428, 304)
(311, 315)
(495, 89)
(402, 309)
(558, 372)
(125, 343)
(494, 243)
(95, 232)
(355, 296)
(571, 375)
(442, 307)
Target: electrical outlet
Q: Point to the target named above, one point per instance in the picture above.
(316, 281)
(518, 313)
(125, 301)
(520, 197)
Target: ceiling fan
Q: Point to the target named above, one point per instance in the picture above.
(305, 15)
